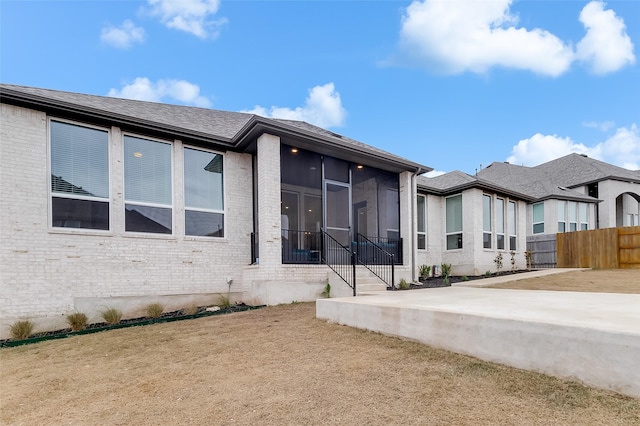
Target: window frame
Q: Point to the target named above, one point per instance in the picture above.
(572, 207)
(487, 232)
(199, 209)
(125, 201)
(584, 225)
(533, 220)
(562, 208)
(52, 194)
(458, 233)
(500, 224)
(512, 224)
(422, 233)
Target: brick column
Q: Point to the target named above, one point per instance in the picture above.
(407, 219)
(269, 226)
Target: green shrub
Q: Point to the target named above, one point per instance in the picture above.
(154, 310)
(327, 291)
(111, 315)
(424, 270)
(446, 272)
(21, 329)
(487, 274)
(404, 285)
(465, 278)
(77, 321)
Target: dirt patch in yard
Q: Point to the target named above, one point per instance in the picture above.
(280, 365)
(593, 280)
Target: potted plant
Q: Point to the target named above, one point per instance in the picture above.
(424, 272)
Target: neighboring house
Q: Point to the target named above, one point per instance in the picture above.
(503, 206)
(118, 203)
(114, 202)
(468, 221)
(565, 190)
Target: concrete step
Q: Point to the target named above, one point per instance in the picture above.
(365, 282)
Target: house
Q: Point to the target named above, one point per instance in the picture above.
(119, 203)
(113, 202)
(514, 205)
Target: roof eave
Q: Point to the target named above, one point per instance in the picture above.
(257, 125)
(88, 113)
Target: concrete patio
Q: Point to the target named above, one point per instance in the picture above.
(590, 337)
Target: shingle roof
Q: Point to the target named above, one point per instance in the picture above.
(577, 170)
(221, 124)
(529, 180)
(455, 181)
(207, 124)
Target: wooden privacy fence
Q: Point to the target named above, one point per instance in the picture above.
(610, 248)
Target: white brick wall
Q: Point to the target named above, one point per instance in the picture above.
(45, 272)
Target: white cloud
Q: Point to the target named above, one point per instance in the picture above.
(600, 125)
(192, 16)
(460, 36)
(142, 89)
(124, 36)
(621, 149)
(606, 47)
(454, 37)
(322, 107)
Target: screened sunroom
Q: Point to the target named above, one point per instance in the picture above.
(324, 197)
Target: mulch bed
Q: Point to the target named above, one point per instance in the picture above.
(436, 282)
(131, 322)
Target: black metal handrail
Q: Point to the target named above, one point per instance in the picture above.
(301, 247)
(376, 259)
(341, 260)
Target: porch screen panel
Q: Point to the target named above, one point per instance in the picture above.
(301, 204)
(203, 193)
(377, 192)
(79, 176)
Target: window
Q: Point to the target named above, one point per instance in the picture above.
(454, 222)
(147, 186)
(486, 221)
(538, 218)
(422, 222)
(584, 224)
(573, 216)
(79, 176)
(511, 220)
(562, 218)
(203, 193)
(500, 224)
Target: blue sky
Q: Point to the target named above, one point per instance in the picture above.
(451, 84)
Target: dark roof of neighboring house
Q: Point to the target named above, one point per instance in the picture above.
(530, 180)
(456, 181)
(223, 129)
(526, 183)
(576, 170)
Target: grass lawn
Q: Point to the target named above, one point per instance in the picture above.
(280, 365)
(593, 280)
